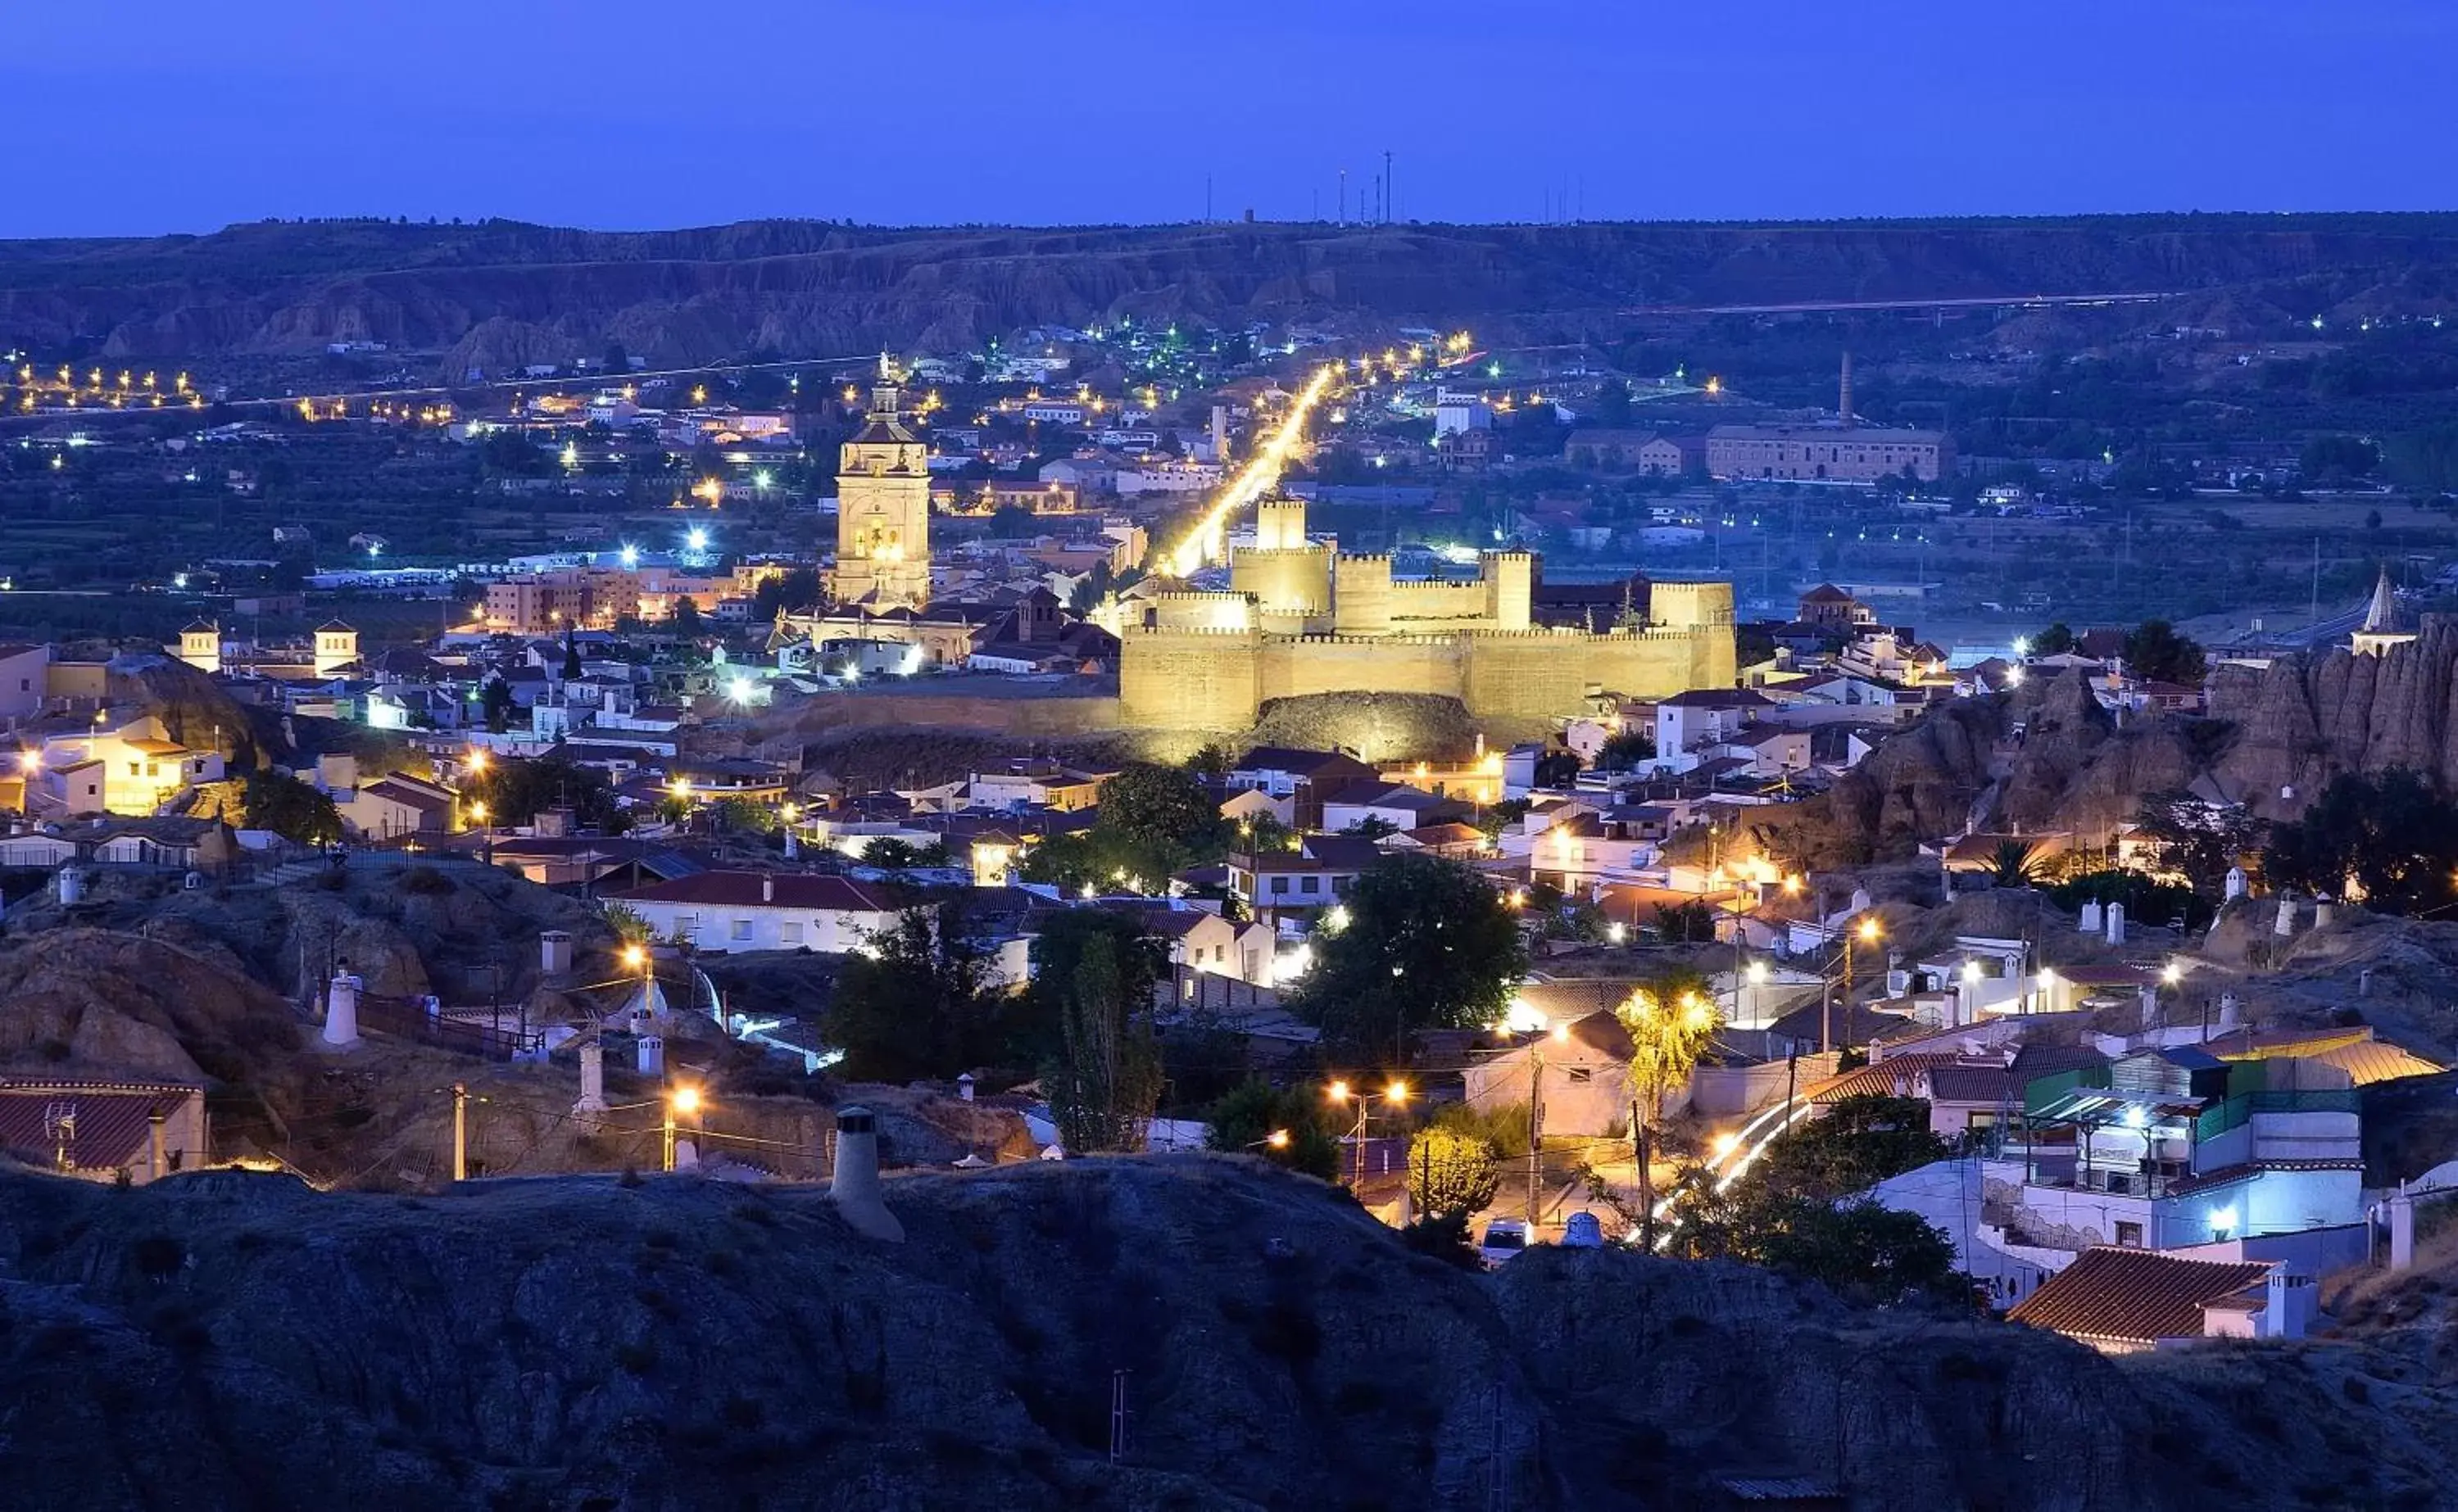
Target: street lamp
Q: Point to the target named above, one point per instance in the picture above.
(1392, 1096)
(636, 957)
(478, 812)
(683, 1101)
(1867, 933)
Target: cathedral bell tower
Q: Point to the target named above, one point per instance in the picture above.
(884, 507)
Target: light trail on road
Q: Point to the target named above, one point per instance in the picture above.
(1729, 1167)
(1254, 479)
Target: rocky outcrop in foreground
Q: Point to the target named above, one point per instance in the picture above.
(221, 1339)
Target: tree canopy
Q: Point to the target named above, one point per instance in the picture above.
(515, 790)
(1153, 822)
(1247, 1117)
(1451, 1172)
(2199, 840)
(290, 809)
(2156, 652)
(1105, 1084)
(1801, 1207)
(919, 1004)
(1428, 945)
(1038, 1028)
(1859, 1142)
(2391, 834)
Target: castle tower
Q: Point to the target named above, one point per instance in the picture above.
(884, 507)
(337, 648)
(2384, 625)
(200, 645)
(1281, 525)
(1361, 595)
(1510, 589)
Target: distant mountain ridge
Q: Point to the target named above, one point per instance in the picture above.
(496, 293)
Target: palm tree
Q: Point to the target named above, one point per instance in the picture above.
(1671, 1021)
(2013, 864)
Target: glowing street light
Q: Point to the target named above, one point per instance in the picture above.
(696, 538)
(1393, 1094)
(683, 1102)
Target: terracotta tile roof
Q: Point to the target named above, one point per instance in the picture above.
(2232, 1176)
(2036, 1059)
(2134, 1297)
(1895, 1076)
(1972, 1083)
(749, 890)
(406, 795)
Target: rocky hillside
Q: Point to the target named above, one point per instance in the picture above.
(2046, 757)
(222, 1339)
(2302, 720)
(504, 293)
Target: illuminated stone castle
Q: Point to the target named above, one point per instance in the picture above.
(883, 508)
(1301, 617)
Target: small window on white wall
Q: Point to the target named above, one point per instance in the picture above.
(740, 929)
(789, 934)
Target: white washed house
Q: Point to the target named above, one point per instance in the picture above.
(736, 911)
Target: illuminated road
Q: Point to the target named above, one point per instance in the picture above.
(98, 402)
(1732, 1161)
(1254, 480)
(1847, 306)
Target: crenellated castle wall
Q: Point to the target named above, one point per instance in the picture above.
(1181, 677)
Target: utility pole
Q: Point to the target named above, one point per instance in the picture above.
(1497, 1484)
(1387, 189)
(1118, 1416)
(1342, 205)
(460, 1131)
(1535, 1125)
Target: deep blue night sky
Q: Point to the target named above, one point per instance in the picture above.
(144, 115)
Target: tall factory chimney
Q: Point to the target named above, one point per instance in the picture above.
(1844, 390)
